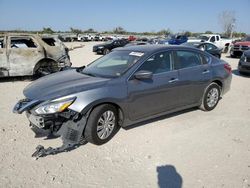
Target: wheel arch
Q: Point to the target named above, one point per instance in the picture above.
(41, 61)
(90, 108)
(219, 82)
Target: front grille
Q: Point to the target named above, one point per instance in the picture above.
(236, 47)
(248, 59)
(244, 47)
(246, 67)
(240, 48)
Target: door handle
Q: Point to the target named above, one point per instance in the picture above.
(173, 80)
(205, 72)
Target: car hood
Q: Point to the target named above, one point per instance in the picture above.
(247, 53)
(243, 43)
(62, 84)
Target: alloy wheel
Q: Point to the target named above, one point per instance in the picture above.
(105, 124)
(212, 97)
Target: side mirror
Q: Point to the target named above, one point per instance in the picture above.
(143, 75)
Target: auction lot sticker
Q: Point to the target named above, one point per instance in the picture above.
(139, 54)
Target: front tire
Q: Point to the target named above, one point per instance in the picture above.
(106, 51)
(211, 97)
(102, 124)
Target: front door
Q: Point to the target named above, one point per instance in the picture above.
(151, 96)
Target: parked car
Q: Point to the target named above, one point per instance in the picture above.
(220, 42)
(98, 37)
(105, 48)
(134, 43)
(131, 38)
(244, 63)
(239, 47)
(127, 86)
(206, 46)
(29, 54)
(178, 39)
(86, 38)
(68, 37)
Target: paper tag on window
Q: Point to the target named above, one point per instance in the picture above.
(139, 54)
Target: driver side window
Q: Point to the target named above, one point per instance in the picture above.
(158, 63)
(212, 39)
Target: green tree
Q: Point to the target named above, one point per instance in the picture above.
(90, 30)
(208, 32)
(164, 32)
(76, 31)
(47, 30)
(188, 33)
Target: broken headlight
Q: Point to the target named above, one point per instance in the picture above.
(54, 106)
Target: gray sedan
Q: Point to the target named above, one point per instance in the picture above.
(127, 86)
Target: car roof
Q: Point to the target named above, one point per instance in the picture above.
(152, 48)
(19, 34)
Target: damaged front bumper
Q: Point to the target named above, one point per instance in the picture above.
(69, 125)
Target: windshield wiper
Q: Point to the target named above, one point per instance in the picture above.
(89, 74)
(80, 68)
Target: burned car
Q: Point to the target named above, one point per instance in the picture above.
(30, 54)
(124, 87)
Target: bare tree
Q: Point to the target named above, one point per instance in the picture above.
(227, 20)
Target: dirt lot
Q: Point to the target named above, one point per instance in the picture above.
(191, 148)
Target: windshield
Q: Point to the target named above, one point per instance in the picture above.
(202, 37)
(246, 39)
(113, 64)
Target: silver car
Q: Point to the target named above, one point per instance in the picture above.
(127, 86)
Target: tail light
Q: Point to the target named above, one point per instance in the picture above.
(228, 67)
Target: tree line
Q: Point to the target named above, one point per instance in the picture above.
(227, 21)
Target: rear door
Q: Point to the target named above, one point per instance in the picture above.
(55, 49)
(159, 94)
(23, 53)
(4, 66)
(194, 75)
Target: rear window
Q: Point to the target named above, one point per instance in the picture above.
(186, 59)
(49, 41)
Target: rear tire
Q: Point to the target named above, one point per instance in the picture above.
(211, 97)
(102, 124)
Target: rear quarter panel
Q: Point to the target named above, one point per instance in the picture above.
(221, 74)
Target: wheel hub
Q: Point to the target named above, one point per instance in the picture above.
(105, 125)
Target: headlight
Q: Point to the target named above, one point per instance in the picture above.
(54, 106)
(100, 47)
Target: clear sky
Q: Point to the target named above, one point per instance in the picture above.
(132, 15)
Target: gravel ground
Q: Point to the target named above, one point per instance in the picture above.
(189, 149)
